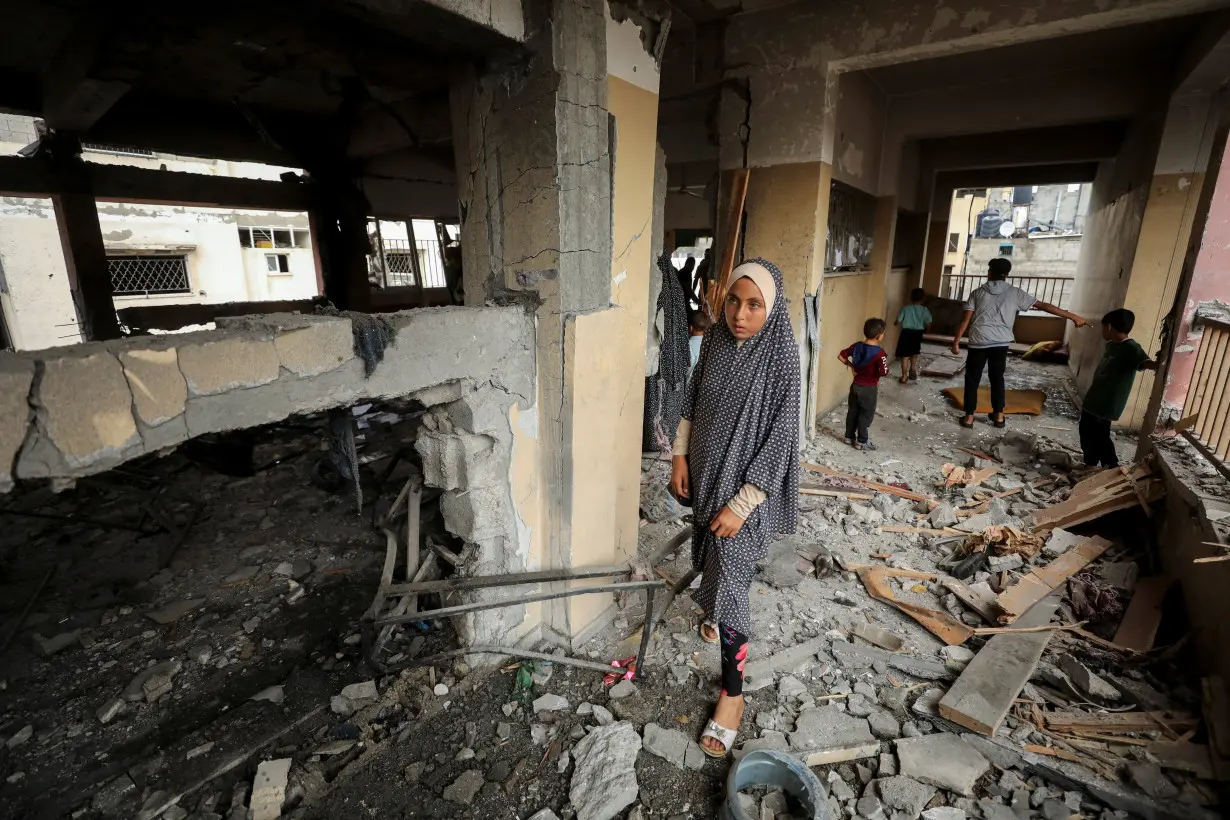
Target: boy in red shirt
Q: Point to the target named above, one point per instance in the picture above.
(869, 363)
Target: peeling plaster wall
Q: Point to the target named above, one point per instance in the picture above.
(75, 411)
(859, 138)
(503, 16)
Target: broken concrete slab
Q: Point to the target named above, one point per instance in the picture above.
(173, 611)
(904, 794)
(673, 746)
(623, 689)
(759, 674)
(269, 789)
(769, 740)
(604, 777)
(1073, 776)
(1060, 542)
(826, 734)
(463, 789)
(856, 656)
(942, 760)
(46, 647)
(159, 392)
(551, 703)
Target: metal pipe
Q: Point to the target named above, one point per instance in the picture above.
(482, 582)
(640, 653)
(479, 606)
(502, 650)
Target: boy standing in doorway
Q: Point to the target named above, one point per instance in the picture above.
(1112, 384)
(914, 320)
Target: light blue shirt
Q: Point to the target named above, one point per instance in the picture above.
(694, 346)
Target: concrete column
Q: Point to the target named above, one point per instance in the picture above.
(551, 220)
(1141, 214)
(883, 237)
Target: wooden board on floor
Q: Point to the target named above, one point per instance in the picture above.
(1041, 581)
(1102, 493)
(1144, 613)
(987, 688)
(944, 365)
(863, 482)
(1110, 723)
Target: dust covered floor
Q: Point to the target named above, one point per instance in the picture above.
(517, 741)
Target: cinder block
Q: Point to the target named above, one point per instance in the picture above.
(483, 411)
(317, 347)
(87, 407)
(476, 515)
(16, 374)
(229, 363)
(158, 388)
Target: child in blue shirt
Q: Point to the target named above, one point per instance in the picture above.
(914, 320)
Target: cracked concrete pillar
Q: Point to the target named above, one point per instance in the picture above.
(551, 220)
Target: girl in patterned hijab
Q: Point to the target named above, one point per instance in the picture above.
(736, 460)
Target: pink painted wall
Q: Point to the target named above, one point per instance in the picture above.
(1210, 280)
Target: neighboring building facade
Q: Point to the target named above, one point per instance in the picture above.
(158, 254)
(1043, 242)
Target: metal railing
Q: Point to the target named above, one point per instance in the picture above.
(399, 267)
(1208, 395)
(1055, 290)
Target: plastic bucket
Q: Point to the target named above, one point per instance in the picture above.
(775, 769)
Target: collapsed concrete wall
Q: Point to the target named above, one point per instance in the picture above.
(75, 411)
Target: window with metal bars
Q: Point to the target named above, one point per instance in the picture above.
(123, 150)
(148, 274)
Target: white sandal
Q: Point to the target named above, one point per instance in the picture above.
(709, 625)
(722, 735)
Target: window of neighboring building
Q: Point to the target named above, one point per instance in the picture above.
(148, 274)
(954, 242)
(252, 237)
(948, 270)
(277, 262)
(1005, 250)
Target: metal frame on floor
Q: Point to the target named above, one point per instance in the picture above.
(375, 628)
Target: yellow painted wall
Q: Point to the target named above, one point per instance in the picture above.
(528, 500)
(841, 325)
(605, 360)
(1160, 250)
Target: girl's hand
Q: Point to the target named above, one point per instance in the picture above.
(726, 524)
(680, 481)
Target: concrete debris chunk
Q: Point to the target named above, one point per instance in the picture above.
(110, 710)
(673, 746)
(137, 691)
(544, 814)
(623, 689)
(942, 760)
(463, 789)
(273, 694)
(46, 647)
(602, 715)
(269, 789)
(23, 734)
(1060, 542)
(943, 516)
(826, 734)
(771, 739)
(904, 794)
(1086, 681)
(884, 725)
(114, 797)
(551, 703)
(173, 611)
(944, 813)
(604, 777)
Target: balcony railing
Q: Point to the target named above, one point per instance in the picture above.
(1054, 290)
(399, 267)
(1205, 412)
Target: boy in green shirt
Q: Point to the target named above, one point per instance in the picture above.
(1112, 384)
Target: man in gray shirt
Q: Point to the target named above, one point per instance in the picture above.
(990, 313)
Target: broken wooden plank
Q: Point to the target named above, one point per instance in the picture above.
(1186, 423)
(986, 690)
(985, 456)
(863, 482)
(898, 528)
(857, 496)
(1211, 559)
(1040, 581)
(1063, 754)
(1102, 493)
(916, 574)
(941, 624)
(1110, 723)
(1144, 614)
(977, 597)
(1022, 630)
